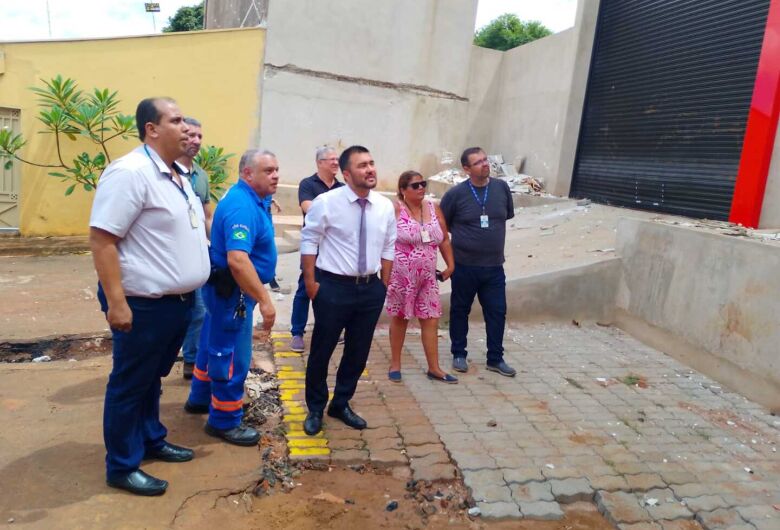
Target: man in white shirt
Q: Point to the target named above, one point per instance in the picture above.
(348, 239)
(149, 247)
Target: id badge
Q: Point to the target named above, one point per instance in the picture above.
(426, 237)
(193, 218)
(483, 221)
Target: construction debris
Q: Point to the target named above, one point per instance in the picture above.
(262, 389)
(727, 229)
(509, 173)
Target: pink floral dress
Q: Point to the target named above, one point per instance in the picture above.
(413, 291)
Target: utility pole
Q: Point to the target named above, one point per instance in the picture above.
(152, 8)
(48, 17)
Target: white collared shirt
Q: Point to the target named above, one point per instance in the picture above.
(159, 252)
(332, 231)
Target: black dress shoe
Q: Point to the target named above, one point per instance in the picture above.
(242, 435)
(313, 423)
(170, 453)
(348, 416)
(139, 483)
(195, 409)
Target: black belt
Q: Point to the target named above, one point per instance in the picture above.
(183, 297)
(368, 278)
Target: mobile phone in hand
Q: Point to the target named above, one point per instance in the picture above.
(439, 276)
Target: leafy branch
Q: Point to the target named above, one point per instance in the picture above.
(69, 113)
(213, 160)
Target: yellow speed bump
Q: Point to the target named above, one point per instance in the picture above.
(308, 442)
(290, 374)
(309, 451)
(281, 335)
(286, 354)
(288, 395)
(292, 384)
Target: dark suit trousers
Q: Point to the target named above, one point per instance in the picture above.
(354, 308)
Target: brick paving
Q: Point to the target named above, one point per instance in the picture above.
(592, 415)
(399, 434)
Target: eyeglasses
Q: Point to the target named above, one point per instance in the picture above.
(480, 162)
(417, 185)
(332, 159)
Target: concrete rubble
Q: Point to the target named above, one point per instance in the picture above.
(518, 182)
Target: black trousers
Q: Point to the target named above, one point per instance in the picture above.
(354, 308)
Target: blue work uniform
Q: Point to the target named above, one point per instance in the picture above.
(241, 222)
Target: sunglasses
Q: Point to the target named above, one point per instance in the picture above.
(417, 185)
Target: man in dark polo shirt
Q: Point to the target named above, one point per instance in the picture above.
(323, 180)
(476, 212)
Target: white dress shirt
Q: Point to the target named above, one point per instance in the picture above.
(160, 252)
(332, 230)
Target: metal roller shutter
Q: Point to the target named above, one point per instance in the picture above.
(670, 87)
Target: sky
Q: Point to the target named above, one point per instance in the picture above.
(27, 20)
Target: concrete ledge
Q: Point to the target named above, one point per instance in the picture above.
(584, 293)
(753, 386)
(718, 294)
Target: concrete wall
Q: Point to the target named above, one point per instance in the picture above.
(533, 99)
(219, 14)
(392, 76)
(136, 67)
(537, 101)
(770, 212)
(713, 298)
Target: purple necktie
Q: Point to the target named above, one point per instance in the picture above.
(362, 238)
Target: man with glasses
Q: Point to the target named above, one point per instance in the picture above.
(322, 181)
(476, 211)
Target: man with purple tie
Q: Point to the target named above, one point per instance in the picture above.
(347, 251)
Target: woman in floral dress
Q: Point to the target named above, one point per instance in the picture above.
(413, 291)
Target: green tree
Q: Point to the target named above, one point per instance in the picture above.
(507, 32)
(187, 18)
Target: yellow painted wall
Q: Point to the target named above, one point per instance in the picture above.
(214, 75)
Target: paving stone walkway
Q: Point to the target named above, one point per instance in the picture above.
(592, 415)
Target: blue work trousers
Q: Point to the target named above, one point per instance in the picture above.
(300, 309)
(488, 284)
(189, 349)
(141, 357)
(223, 360)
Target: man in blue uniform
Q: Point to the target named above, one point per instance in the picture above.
(243, 257)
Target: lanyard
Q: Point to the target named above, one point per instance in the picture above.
(180, 188)
(483, 202)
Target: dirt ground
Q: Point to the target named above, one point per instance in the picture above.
(317, 504)
(51, 464)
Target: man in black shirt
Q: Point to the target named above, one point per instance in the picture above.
(323, 180)
(476, 212)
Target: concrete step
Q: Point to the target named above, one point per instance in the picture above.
(293, 236)
(285, 246)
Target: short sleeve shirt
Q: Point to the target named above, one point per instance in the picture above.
(160, 252)
(471, 244)
(311, 187)
(199, 180)
(242, 222)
